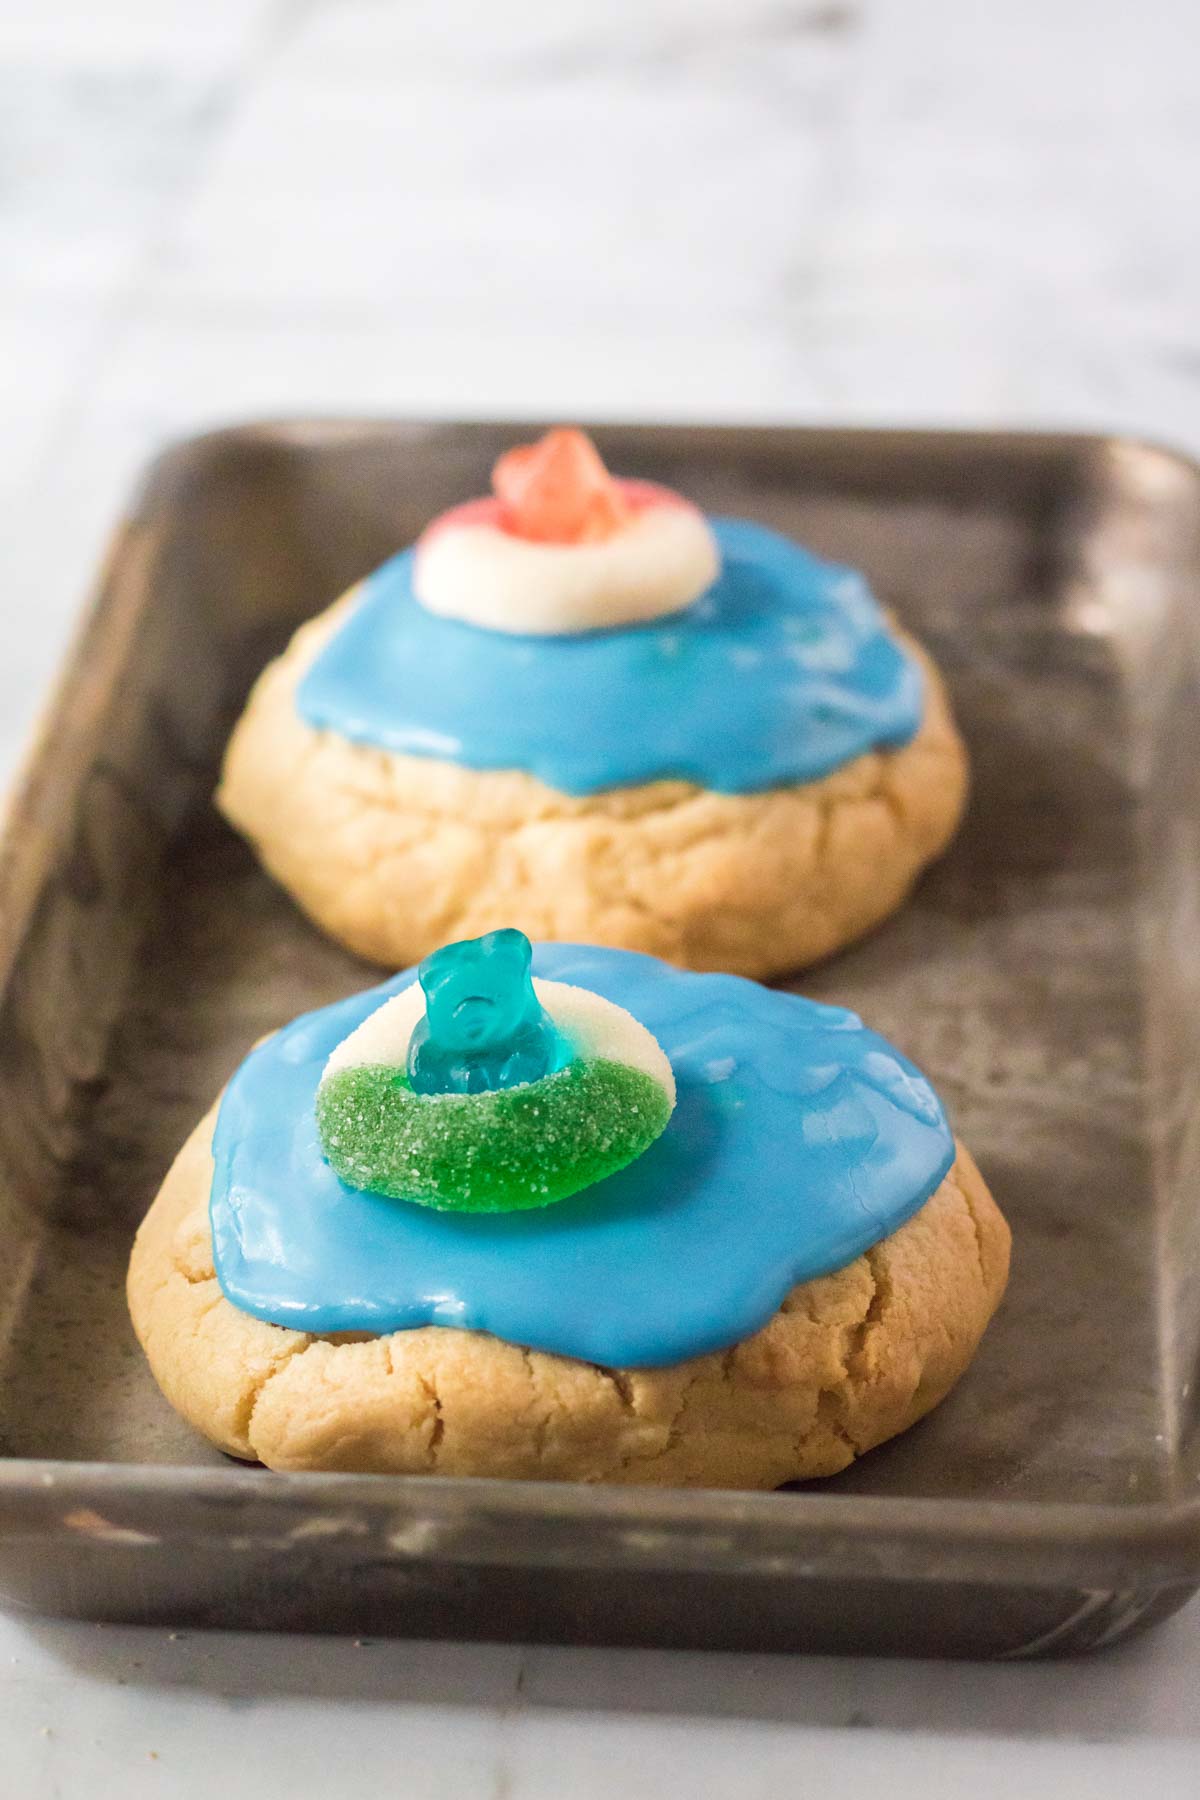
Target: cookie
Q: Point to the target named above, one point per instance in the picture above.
(849, 1360)
(687, 737)
(765, 1256)
(393, 854)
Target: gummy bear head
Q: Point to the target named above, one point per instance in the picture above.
(479, 993)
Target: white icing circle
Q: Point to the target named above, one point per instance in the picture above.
(662, 560)
(596, 1028)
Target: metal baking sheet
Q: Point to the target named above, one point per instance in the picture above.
(1046, 975)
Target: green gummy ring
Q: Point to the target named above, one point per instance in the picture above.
(504, 1151)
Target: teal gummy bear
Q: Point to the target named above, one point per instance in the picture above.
(484, 1027)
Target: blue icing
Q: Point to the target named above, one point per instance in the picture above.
(781, 672)
(800, 1139)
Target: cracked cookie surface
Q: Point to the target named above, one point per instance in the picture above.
(394, 855)
(849, 1359)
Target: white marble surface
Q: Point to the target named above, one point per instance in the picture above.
(873, 210)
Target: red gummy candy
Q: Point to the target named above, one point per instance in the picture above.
(558, 491)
